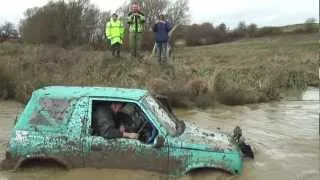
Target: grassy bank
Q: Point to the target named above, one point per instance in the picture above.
(246, 71)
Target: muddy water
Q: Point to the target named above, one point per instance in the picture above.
(285, 137)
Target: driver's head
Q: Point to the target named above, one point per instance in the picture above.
(116, 106)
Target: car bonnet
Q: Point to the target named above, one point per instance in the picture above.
(201, 139)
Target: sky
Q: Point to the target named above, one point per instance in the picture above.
(260, 12)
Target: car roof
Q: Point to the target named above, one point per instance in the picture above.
(69, 92)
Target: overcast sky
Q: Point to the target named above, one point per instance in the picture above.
(261, 12)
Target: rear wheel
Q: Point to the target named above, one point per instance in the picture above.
(41, 163)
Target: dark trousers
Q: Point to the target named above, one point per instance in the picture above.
(116, 49)
(162, 51)
(135, 44)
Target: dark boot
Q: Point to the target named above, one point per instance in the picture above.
(118, 52)
(164, 59)
(113, 52)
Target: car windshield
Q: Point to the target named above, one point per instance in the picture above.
(166, 119)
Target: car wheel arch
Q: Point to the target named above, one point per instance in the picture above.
(192, 169)
(51, 159)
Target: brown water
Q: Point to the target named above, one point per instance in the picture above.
(285, 137)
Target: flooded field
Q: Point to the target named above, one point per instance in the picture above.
(284, 135)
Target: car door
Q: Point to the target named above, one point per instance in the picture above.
(123, 153)
(61, 128)
(126, 154)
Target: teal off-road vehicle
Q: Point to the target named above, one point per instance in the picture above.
(57, 124)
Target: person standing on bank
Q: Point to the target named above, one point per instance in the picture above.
(115, 34)
(162, 29)
(136, 21)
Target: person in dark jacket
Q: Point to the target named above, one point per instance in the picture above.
(108, 125)
(161, 29)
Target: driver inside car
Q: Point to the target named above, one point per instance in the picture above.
(133, 121)
(108, 124)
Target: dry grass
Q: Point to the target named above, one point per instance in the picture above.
(246, 71)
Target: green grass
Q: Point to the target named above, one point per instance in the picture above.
(241, 72)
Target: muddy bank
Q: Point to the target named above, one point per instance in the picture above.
(284, 134)
(248, 71)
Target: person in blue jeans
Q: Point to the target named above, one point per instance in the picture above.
(161, 29)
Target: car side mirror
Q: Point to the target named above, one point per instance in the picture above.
(159, 141)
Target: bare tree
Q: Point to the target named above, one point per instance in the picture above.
(31, 12)
(98, 39)
(222, 28)
(9, 29)
(74, 22)
(241, 29)
(178, 12)
(252, 29)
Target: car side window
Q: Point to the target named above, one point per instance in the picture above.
(130, 117)
(50, 112)
(140, 123)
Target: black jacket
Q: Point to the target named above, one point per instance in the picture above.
(107, 125)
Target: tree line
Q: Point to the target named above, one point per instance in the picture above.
(79, 22)
(207, 33)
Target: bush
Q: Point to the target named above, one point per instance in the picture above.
(230, 74)
(268, 31)
(64, 24)
(311, 25)
(6, 84)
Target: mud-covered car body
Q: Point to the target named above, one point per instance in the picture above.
(56, 124)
